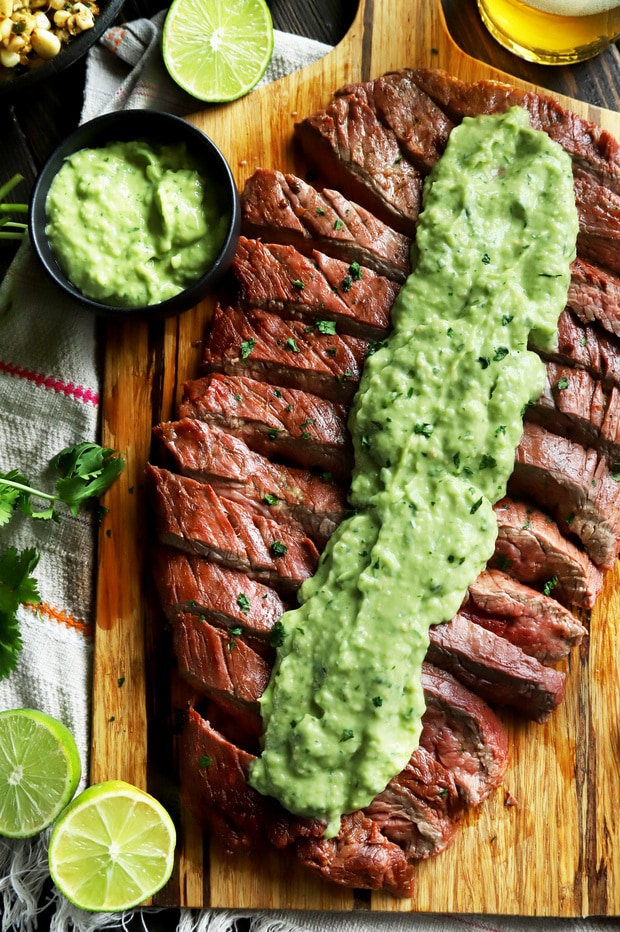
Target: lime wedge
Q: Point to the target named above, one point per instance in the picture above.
(39, 771)
(112, 847)
(217, 50)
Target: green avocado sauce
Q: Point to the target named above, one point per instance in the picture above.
(435, 424)
(132, 224)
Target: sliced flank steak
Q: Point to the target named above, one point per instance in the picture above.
(356, 154)
(531, 620)
(498, 671)
(209, 454)
(190, 516)
(530, 549)
(575, 485)
(591, 147)
(231, 599)
(577, 406)
(586, 346)
(420, 126)
(594, 295)
(462, 732)
(281, 208)
(281, 279)
(264, 346)
(286, 423)
(598, 208)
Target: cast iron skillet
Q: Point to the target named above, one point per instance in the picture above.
(11, 83)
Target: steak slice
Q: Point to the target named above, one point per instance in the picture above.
(280, 279)
(531, 620)
(281, 208)
(598, 208)
(209, 454)
(189, 515)
(420, 808)
(594, 295)
(462, 732)
(591, 147)
(576, 405)
(574, 485)
(498, 671)
(421, 127)
(356, 154)
(531, 549)
(223, 597)
(264, 346)
(586, 346)
(214, 786)
(301, 428)
(219, 662)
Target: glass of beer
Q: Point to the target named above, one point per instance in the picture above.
(552, 32)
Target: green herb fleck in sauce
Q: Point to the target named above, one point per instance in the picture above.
(435, 424)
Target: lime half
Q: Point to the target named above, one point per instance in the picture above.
(112, 847)
(219, 49)
(39, 771)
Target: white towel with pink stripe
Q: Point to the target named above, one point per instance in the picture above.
(49, 383)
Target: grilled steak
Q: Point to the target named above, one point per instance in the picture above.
(420, 126)
(531, 549)
(462, 732)
(263, 346)
(500, 672)
(189, 515)
(574, 485)
(576, 405)
(586, 346)
(594, 295)
(591, 147)
(281, 208)
(599, 221)
(303, 429)
(224, 597)
(317, 287)
(359, 156)
(212, 455)
(531, 620)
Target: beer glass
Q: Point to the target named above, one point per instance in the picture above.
(552, 32)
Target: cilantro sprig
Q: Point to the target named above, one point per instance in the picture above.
(86, 470)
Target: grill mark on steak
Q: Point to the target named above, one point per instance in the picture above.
(574, 485)
(280, 279)
(264, 346)
(301, 428)
(577, 406)
(359, 156)
(209, 454)
(531, 549)
(190, 516)
(420, 126)
(532, 621)
(594, 295)
(498, 671)
(462, 732)
(228, 598)
(281, 208)
(592, 148)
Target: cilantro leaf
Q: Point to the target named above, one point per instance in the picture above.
(87, 470)
(16, 587)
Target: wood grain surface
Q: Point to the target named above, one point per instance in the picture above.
(552, 854)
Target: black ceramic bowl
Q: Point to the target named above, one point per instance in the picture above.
(154, 127)
(13, 81)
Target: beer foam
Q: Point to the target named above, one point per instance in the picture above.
(573, 7)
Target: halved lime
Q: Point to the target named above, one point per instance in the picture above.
(112, 847)
(39, 771)
(217, 50)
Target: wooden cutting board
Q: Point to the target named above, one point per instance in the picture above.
(554, 853)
